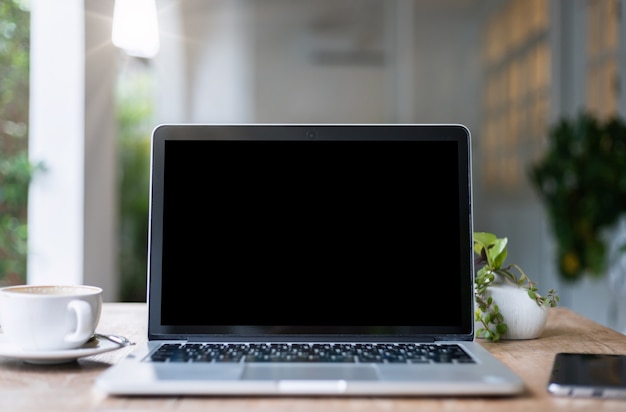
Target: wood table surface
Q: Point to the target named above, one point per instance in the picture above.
(69, 387)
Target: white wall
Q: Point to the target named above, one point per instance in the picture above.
(251, 61)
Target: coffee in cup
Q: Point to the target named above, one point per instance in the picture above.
(49, 317)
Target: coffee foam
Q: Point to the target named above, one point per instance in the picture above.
(56, 290)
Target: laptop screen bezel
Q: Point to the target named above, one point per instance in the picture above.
(299, 132)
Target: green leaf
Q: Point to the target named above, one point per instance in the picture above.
(482, 240)
(497, 253)
(502, 328)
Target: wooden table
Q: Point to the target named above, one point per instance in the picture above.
(69, 387)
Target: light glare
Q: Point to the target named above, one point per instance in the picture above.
(136, 28)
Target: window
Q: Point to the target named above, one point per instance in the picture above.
(516, 103)
(602, 57)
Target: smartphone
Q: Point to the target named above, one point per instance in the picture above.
(588, 375)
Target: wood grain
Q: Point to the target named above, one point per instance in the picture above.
(69, 387)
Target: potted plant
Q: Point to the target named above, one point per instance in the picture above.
(508, 305)
(580, 178)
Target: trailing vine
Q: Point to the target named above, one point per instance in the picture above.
(491, 253)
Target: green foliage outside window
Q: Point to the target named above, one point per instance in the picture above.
(134, 114)
(16, 171)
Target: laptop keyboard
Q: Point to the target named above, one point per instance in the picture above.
(305, 352)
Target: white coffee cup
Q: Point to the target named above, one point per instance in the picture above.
(49, 317)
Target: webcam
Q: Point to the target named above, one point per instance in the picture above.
(311, 134)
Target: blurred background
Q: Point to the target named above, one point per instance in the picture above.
(538, 83)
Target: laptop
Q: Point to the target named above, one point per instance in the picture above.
(310, 259)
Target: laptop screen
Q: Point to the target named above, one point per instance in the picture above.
(328, 230)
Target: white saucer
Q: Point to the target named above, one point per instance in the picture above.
(93, 347)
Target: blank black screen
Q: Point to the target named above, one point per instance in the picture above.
(312, 235)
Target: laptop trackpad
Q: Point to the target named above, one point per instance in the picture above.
(258, 371)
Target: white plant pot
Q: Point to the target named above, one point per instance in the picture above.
(524, 318)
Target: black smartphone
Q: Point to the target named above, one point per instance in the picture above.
(588, 375)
